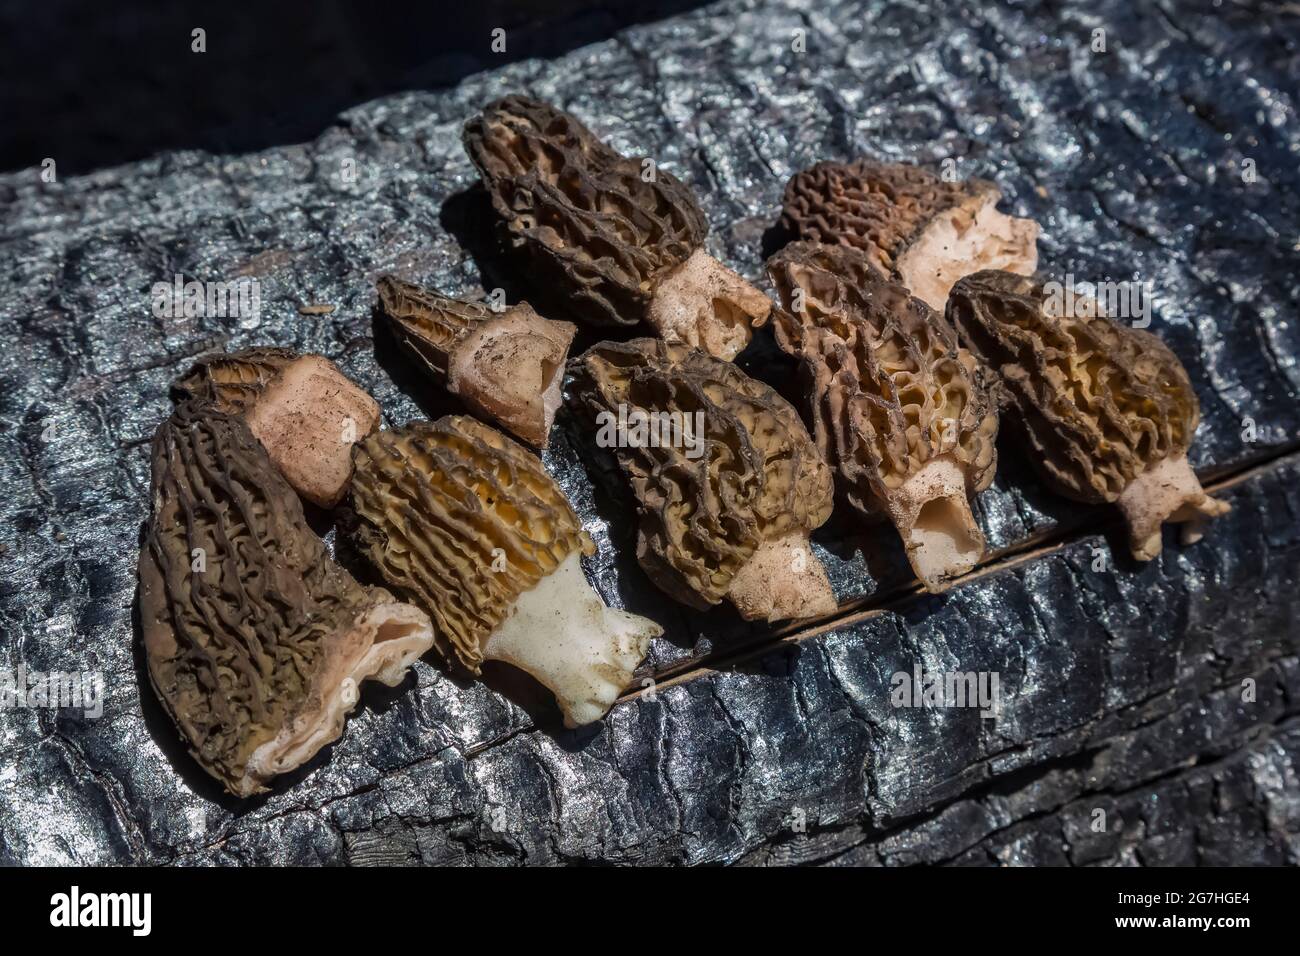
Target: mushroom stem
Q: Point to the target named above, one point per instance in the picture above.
(1167, 491)
(783, 579)
(707, 306)
(510, 368)
(932, 514)
(562, 634)
(380, 643)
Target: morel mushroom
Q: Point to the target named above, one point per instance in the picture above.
(902, 413)
(232, 381)
(301, 407)
(467, 523)
(256, 641)
(728, 482)
(1107, 410)
(624, 244)
(915, 227)
(507, 366)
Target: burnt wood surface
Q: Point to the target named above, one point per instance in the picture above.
(1164, 695)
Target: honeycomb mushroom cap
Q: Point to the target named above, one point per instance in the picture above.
(904, 414)
(506, 366)
(912, 225)
(623, 248)
(1108, 411)
(582, 210)
(468, 524)
(716, 525)
(256, 641)
(232, 381)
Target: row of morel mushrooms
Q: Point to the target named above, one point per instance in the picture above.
(912, 303)
(257, 641)
(908, 302)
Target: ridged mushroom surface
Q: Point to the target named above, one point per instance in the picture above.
(727, 502)
(255, 640)
(904, 415)
(468, 524)
(1108, 410)
(622, 238)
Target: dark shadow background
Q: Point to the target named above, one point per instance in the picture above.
(95, 84)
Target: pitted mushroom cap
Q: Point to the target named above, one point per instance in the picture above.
(463, 520)
(1102, 402)
(583, 211)
(894, 389)
(757, 480)
(1108, 410)
(256, 641)
(912, 225)
(900, 410)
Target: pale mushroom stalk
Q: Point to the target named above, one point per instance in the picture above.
(1167, 492)
(511, 369)
(562, 634)
(308, 418)
(782, 580)
(933, 516)
(703, 304)
(962, 240)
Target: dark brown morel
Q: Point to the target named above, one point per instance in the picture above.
(232, 381)
(507, 366)
(468, 524)
(623, 239)
(256, 641)
(914, 226)
(728, 483)
(902, 413)
(1108, 410)
(302, 408)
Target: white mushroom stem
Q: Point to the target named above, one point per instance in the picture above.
(782, 580)
(933, 515)
(562, 633)
(511, 368)
(956, 243)
(1167, 491)
(705, 305)
(379, 644)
